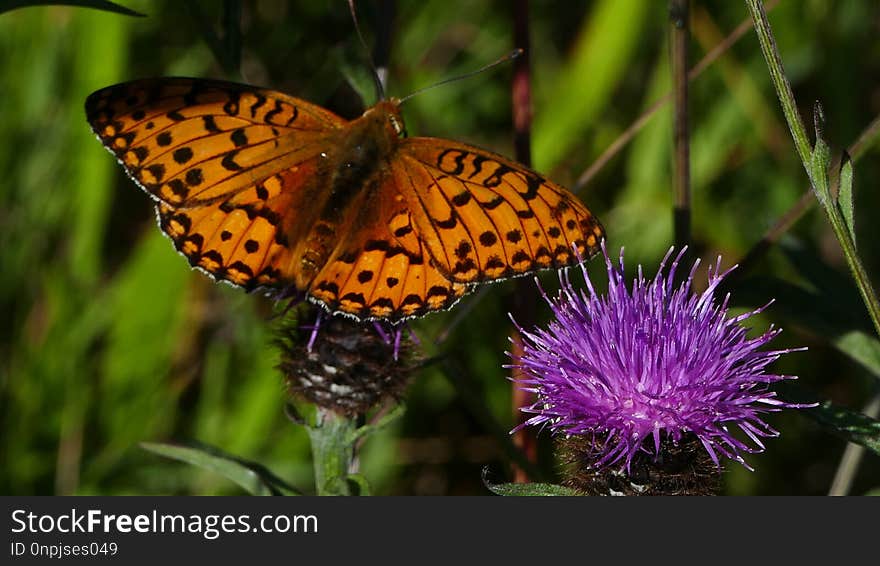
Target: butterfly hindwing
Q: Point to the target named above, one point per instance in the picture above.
(250, 238)
(376, 285)
(483, 217)
(381, 269)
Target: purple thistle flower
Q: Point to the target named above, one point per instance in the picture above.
(636, 367)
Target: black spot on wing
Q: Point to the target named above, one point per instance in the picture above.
(182, 155)
(277, 109)
(194, 177)
(461, 199)
(261, 100)
(449, 223)
(488, 239)
(231, 106)
(229, 163)
(239, 138)
(210, 124)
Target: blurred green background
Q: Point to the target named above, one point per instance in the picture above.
(109, 339)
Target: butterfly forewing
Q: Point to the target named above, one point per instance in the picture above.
(232, 167)
(190, 141)
(483, 217)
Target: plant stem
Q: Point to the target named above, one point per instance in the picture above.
(639, 123)
(780, 82)
(679, 13)
(524, 438)
(802, 143)
(333, 437)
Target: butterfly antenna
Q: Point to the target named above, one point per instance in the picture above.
(504, 59)
(380, 88)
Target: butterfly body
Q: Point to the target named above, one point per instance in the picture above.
(349, 174)
(268, 191)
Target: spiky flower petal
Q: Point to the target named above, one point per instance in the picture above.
(638, 367)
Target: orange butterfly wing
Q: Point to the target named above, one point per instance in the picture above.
(448, 216)
(261, 189)
(383, 269)
(484, 217)
(231, 166)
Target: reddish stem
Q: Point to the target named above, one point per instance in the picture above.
(523, 308)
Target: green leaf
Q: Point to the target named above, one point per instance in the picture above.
(849, 425)
(820, 159)
(861, 347)
(252, 477)
(356, 71)
(384, 421)
(96, 4)
(532, 490)
(819, 162)
(600, 60)
(362, 486)
(845, 196)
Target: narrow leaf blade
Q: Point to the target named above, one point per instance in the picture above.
(845, 197)
(253, 478)
(850, 425)
(380, 424)
(819, 162)
(532, 490)
(104, 5)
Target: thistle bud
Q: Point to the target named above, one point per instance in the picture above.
(344, 365)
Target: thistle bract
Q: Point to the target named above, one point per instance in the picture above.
(641, 366)
(344, 365)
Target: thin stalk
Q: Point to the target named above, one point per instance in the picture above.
(226, 49)
(643, 119)
(521, 95)
(852, 456)
(780, 82)
(232, 35)
(333, 438)
(386, 12)
(679, 12)
(818, 179)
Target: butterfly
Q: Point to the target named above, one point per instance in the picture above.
(267, 191)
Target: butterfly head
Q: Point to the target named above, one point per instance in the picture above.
(387, 113)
